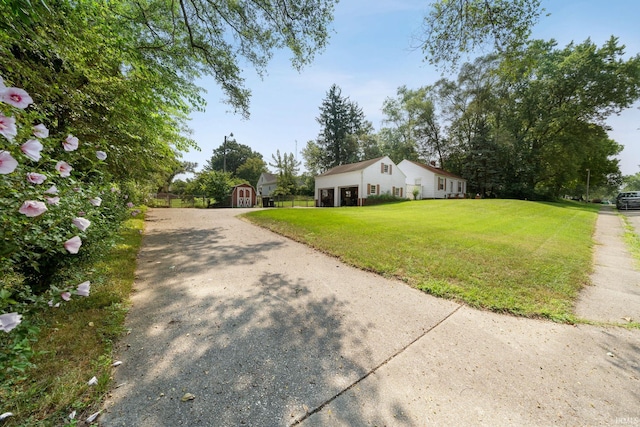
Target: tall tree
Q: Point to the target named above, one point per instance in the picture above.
(342, 122)
(219, 35)
(287, 168)
(631, 182)
(457, 27)
(178, 168)
(558, 105)
(251, 170)
(120, 75)
(232, 154)
(416, 130)
(313, 158)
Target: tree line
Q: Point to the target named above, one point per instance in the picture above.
(530, 124)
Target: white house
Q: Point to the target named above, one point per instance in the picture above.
(267, 184)
(350, 185)
(432, 182)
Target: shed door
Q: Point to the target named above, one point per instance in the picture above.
(244, 198)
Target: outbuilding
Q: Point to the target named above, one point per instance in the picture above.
(243, 196)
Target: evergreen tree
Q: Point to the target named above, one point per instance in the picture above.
(342, 123)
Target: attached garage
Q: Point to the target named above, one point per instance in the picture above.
(352, 184)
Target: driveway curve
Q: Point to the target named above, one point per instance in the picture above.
(233, 325)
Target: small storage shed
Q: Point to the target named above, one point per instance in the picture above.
(243, 196)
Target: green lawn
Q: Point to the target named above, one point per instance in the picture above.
(520, 257)
(75, 343)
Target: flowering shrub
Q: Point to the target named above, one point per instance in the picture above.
(54, 219)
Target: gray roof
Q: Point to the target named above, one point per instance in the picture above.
(269, 177)
(351, 167)
(436, 170)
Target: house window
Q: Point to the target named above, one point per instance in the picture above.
(371, 189)
(441, 183)
(385, 168)
(397, 191)
(459, 186)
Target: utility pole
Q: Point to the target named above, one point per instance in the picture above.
(588, 176)
(224, 151)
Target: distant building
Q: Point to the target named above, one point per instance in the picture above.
(267, 184)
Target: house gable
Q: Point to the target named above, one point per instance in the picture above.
(431, 182)
(267, 184)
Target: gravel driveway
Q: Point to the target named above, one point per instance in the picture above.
(250, 328)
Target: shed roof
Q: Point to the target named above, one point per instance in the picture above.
(351, 167)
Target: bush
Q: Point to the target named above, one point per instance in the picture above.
(383, 198)
(58, 212)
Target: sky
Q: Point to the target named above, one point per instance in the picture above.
(370, 54)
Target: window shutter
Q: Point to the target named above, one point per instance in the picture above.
(381, 167)
(393, 191)
(378, 189)
(390, 170)
(368, 189)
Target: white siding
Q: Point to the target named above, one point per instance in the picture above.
(265, 188)
(429, 181)
(371, 175)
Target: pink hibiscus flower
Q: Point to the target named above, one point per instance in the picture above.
(52, 200)
(35, 178)
(96, 201)
(40, 131)
(8, 321)
(7, 163)
(64, 169)
(16, 97)
(73, 245)
(81, 223)
(32, 149)
(8, 127)
(52, 190)
(71, 143)
(83, 289)
(101, 155)
(65, 296)
(32, 208)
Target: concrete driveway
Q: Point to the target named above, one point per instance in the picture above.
(253, 329)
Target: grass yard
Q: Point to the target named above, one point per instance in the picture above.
(632, 238)
(76, 342)
(525, 258)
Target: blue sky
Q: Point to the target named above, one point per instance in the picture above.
(370, 55)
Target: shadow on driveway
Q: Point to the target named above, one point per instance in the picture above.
(253, 344)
